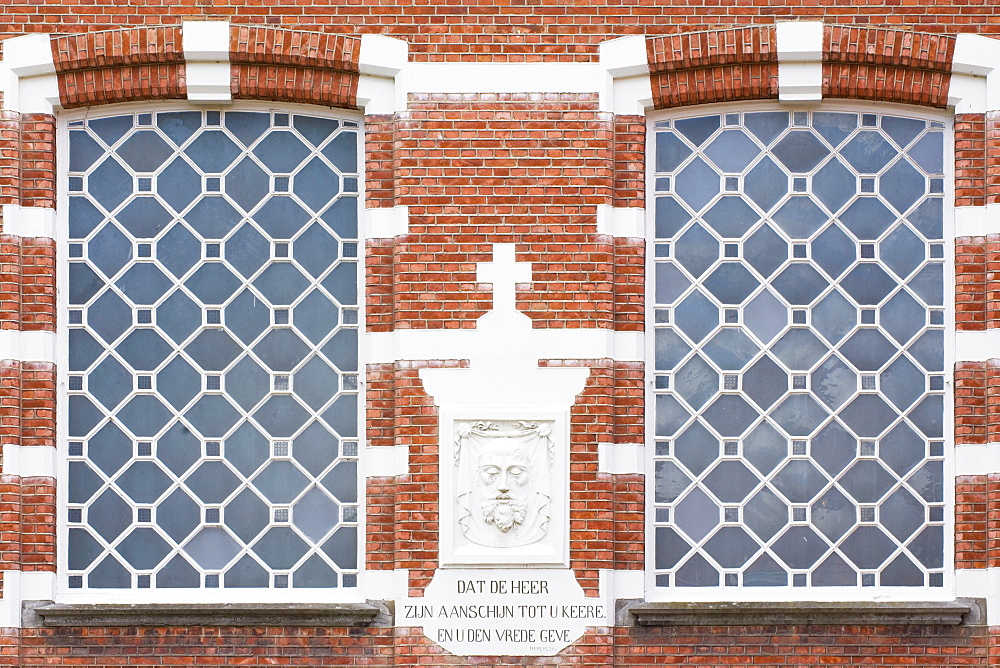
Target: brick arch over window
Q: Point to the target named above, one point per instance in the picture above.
(737, 64)
(143, 64)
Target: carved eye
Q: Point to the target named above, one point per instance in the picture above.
(489, 472)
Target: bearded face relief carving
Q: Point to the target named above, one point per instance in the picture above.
(504, 471)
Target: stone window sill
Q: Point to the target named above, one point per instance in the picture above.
(232, 614)
(943, 613)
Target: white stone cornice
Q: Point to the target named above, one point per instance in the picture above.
(28, 75)
(381, 60)
(386, 223)
(621, 458)
(620, 221)
(627, 88)
(206, 61)
(29, 461)
(977, 346)
(29, 221)
(800, 60)
(980, 459)
(975, 81)
(34, 346)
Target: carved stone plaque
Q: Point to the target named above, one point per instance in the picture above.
(503, 500)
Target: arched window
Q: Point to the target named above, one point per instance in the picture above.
(799, 314)
(212, 361)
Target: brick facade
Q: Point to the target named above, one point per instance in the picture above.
(527, 168)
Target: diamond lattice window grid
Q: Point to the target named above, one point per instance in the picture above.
(197, 275)
(838, 345)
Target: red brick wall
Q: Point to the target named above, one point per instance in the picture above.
(27, 159)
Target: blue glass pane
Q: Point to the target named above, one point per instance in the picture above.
(902, 185)
(765, 184)
(246, 126)
(281, 152)
(868, 152)
(144, 283)
(671, 151)
(697, 130)
(697, 184)
(316, 184)
(178, 125)
(766, 125)
(731, 217)
(247, 184)
(213, 151)
(800, 217)
(834, 127)
(800, 151)
(834, 184)
(144, 151)
(903, 130)
(178, 250)
(731, 151)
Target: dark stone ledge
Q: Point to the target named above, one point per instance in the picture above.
(222, 614)
(943, 613)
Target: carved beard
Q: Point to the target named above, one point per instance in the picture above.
(504, 511)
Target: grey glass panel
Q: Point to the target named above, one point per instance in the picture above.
(281, 217)
(178, 250)
(342, 349)
(834, 127)
(280, 482)
(83, 549)
(928, 218)
(928, 416)
(697, 514)
(765, 184)
(178, 515)
(868, 152)
(902, 185)
(212, 416)
(213, 151)
(213, 349)
(247, 184)
(247, 449)
(867, 481)
(281, 152)
(833, 448)
(834, 572)
(670, 283)
(84, 151)
(281, 416)
(834, 251)
(670, 349)
(144, 349)
(178, 125)
(731, 151)
(212, 548)
(799, 349)
(247, 383)
(800, 151)
(867, 547)
(247, 515)
(730, 415)
(109, 382)
(213, 283)
(765, 572)
(799, 414)
(178, 316)
(247, 316)
(110, 250)
(247, 127)
(83, 216)
(902, 130)
(110, 448)
(868, 415)
(928, 546)
(179, 185)
(110, 184)
(212, 482)
(316, 316)
(766, 125)
(731, 217)
(902, 513)
(247, 250)
(799, 481)
(316, 383)
(670, 415)
(143, 482)
(144, 415)
(342, 547)
(670, 481)
(901, 572)
(697, 130)
(731, 481)
(696, 448)
(314, 573)
(669, 217)
(928, 350)
(765, 250)
(764, 447)
(144, 151)
(867, 349)
(178, 449)
(143, 548)
(833, 514)
(765, 316)
(315, 249)
(342, 283)
(901, 449)
(144, 283)
(696, 184)
(928, 153)
(315, 514)
(731, 547)
(765, 382)
(902, 317)
(83, 482)
(246, 572)
(316, 184)
(280, 548)
(800, 547)
(696, 250)
(281, 349)
(177, 573)
(765, 514)
(799, 284)
(834, 316)
(178, 382)
(213, 217)
(697, 572)
(317, 130)
(834, 184)
(929, 284)
(696, 316)
(109, 515)
(84, 349)
(314, 448)
(109, 574)
(799, 217)
(83, 416)
(281, 283)
(342, 415)
(902, 382)
(731, 283)
(84, 283)
(834, 382)
(670, 547)
(731, 349)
